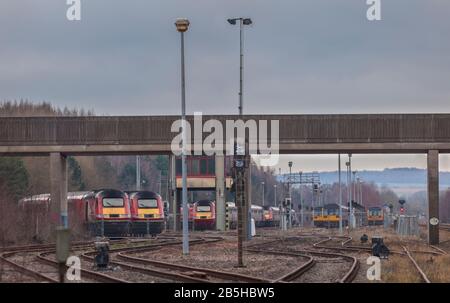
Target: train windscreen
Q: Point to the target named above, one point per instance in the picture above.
(204, 208)
(374, 212)
(332, 211)
(112, 202)
(148, 203)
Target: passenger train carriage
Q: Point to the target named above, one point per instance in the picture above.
(107, 211)
(328, 216)
(263, 216)
(272, 216)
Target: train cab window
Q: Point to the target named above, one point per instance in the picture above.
(204, 208)
(374, 212)
(148, 203)
(317, 211)
(332, 211)
(211, 167)
(112, 202)
(178, 166)
(203, 166)
(195, 167)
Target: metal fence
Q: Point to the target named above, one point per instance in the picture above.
(407, 225)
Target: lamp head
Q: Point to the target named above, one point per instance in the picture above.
(182, 25)
(247, 21)
(232, 21)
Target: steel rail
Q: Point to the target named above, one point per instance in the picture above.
(215, 273)
(422, 274)
(25, 270)
(89, 273)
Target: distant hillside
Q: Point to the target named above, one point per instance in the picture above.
(406, 177)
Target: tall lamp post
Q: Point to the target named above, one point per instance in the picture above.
(301, 199)
(290, 194)
(182, 26)
(262, 183)
(242, 22)
(340, 194)
(274, 195)
(350, 189)
(138, 172)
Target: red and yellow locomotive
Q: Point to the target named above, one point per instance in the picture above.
(104, 212)
(147, 213)
(202, 214)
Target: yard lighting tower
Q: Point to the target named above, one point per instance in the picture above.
(340, 194)
(242, 23)
(262, 184)
(182, 26)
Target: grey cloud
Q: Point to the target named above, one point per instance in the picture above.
(301, 56)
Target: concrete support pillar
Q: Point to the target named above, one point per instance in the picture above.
(433, 197)
(173, 191)
(220, 192)
(58, 189)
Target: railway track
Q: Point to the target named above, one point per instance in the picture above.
(184, 272)
(44, 269)
(25, 268)
(168, 271)
(416, 265)
(314, 258)
(39, 267)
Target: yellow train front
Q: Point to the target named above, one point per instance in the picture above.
(328, 216)
(203, 215)
(147, 213)
(375, 216)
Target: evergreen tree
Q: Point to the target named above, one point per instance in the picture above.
(127, 177)
(76, 179)
(15, 176)
(162, 164)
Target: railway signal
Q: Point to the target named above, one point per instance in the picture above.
(402, 207)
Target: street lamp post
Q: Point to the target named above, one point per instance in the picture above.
(182, 26)
(138, 173)
(242, 22)
(350, 189)
(275, 195)
(262, 183)
(301, 199)
(361, 182)
(340, 194)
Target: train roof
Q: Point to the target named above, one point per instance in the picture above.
(204, 202)
(267, 207)
(331, 206)
(109, 192)
(41, 198)
(256, 207)
(143, 194)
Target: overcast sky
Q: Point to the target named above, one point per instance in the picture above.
(312, 56)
